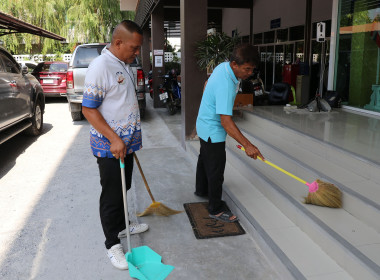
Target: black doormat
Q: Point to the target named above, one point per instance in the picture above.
(206, 227)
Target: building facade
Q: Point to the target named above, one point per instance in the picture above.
(352, 25)
(346, 59)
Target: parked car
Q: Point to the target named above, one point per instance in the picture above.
(22, 102)
(52, 77)
(81, 58)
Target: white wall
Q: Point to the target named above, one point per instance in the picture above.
(291, 12)
(236, 19)
(322, 10)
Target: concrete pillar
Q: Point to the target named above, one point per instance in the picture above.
(193, 29)
(333, 45)
(145, 51)
(251, 23)
(158, 41)
(307, 33)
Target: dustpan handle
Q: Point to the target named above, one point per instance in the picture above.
(277, 167)
(125, 201)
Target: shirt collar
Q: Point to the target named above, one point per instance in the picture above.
(231, 73)
(106, 51)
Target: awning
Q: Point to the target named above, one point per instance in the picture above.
(14, 25)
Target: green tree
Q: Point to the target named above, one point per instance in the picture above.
(92, 21)
(79, 21)
(168, 46)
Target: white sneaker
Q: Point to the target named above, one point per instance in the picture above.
(117, 257)
(133, 229)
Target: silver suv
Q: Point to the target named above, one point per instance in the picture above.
(22, 102)
(81, 58)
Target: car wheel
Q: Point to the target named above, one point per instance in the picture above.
(76, 116)
(37, 121)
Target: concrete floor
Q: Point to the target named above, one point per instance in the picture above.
(49, 192)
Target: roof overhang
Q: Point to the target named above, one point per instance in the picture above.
(15, 25)
(128, 5)
(145, 8)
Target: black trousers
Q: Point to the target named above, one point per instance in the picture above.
(111, 206)
(210, 174)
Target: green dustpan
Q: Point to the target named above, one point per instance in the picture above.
(143, 262)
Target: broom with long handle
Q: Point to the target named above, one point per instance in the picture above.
(157, 208)
(320, 193)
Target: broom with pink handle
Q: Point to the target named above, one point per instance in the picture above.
(320, 193)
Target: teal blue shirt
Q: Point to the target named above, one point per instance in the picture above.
(218, 99)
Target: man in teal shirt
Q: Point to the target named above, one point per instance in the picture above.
(214, 122)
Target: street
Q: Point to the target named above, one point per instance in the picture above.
(47, 196)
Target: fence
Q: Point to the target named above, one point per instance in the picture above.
(40, 57)
(67, 56)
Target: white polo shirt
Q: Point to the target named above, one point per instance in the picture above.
(109, 87)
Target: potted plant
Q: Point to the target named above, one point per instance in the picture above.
(215, 49)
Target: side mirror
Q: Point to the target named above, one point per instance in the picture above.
(24, 70)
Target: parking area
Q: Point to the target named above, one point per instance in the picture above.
(49, 207)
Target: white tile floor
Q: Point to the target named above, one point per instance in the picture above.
(352, 131)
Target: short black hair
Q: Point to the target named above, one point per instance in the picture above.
(131, 26)
(245, 53)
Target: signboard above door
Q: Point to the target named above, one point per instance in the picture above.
(275, 23)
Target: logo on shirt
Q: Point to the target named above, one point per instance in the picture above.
(120, 78)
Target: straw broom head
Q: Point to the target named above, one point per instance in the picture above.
(159, 209)
(327, 195)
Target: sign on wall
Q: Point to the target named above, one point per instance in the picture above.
(158, 52)
(275, 23)
(158, 61)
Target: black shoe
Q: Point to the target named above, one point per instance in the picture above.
(201, 195)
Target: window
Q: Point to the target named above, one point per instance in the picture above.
(2, 68)
(258, 39)
(268, 37)
(84, 55)
(296, 33)
(282, 35)
(245, 39)
(10, 65)
(356, 72)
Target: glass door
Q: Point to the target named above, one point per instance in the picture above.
(358, 62)
(279, 63)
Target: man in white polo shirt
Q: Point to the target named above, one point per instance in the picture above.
(213, 124)
(110, 105)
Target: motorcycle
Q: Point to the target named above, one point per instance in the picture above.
(140, 92)
(150, 83)
(170, 92)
